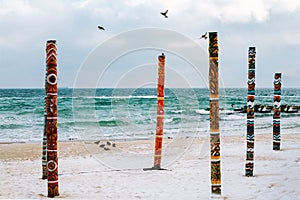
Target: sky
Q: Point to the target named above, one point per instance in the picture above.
(125, 54)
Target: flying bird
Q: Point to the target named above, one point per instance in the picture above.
(204, 36)
(101, 28)
(164, 13)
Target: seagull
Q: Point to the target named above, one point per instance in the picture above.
(204, 36)
(101, 28)
(97, 142)
(164, 13)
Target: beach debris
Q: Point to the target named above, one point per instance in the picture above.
(215, 159)
(164, 13)
(101, 28)
(105, 145)
(260, 108)
(72, 138)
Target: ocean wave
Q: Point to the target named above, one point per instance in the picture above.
(116, 97)
(174, 120)
(13, 126)
(222, 112)
(101, 123)
(290, 126)
(202, 112)
(176, 111)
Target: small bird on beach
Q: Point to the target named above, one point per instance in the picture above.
(164, 13)
(97, 142)
(113, 145)
(106, 148)
(102, 145)
(101, 28)
(204, 36)
(108, 143)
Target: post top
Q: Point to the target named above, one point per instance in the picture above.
(51, 41)
(162, 56)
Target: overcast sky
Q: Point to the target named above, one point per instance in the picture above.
(272, 26)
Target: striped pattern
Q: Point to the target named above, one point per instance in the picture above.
(51, 118)
(250, 112)
(160, 112)
(276, 110)
(214, 114)
(44, 152)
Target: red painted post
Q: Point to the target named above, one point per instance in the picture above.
(160, 112)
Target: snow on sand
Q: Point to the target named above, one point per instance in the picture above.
(87, 171)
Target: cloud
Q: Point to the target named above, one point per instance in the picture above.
(17, 7)
(26, 25)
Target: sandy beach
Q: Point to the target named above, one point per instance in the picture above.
(87, 171)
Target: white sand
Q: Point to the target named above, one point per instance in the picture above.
(118, 174)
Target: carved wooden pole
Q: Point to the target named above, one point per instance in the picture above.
(250, 112)
(160, 112)
(276, 109)
(214, 114)
(44, 150)
(51, 124)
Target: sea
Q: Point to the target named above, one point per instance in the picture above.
(130, 114)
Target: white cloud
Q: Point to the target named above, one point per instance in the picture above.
(17, 7)
(237, 11)
(74, 23)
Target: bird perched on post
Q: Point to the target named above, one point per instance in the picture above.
(164, 13)
(101, 28)
(204, 36)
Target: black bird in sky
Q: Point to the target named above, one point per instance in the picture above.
(164, 13)
(101, 28)
(204, 36)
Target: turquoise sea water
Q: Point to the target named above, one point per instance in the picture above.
(131, 113)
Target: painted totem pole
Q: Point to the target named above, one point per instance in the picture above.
(250, 112)
(160, 112)
(51, 118)
(214, 114)
(276, 109)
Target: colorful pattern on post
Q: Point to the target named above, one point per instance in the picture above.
(51, 118)
(214, 114)
(160, 111)
(276, 109)
(250, 112)
(44, 153)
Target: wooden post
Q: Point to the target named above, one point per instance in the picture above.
(250, 112)
(51, 118)
(276, 110)
(160, 112)
(44, 150)
(214, 114)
